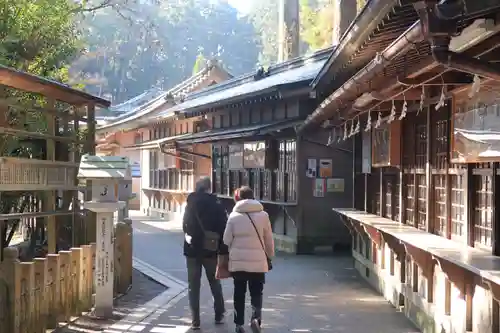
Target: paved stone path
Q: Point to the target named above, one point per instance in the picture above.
(302, 293)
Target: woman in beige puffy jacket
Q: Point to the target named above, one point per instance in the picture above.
(249, 237)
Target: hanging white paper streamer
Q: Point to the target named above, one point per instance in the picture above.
(442, 100)
(379, 120)
(352, 129)
(357, 129)
(403, 109)
(476, 85)
(345, 131)
(422, 99)
(369, 122)
(392, 116)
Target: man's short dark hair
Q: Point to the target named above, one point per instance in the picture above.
(245, 192)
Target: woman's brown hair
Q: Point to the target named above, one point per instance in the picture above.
(243, 193)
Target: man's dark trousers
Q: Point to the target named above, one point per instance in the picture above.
(194, 268)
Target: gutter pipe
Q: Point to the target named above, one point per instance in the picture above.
(400, 46)
(462, 63)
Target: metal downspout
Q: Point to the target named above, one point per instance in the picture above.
(400, 46)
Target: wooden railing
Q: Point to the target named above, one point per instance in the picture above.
(172, 179)
(38, 295)
(22, 174)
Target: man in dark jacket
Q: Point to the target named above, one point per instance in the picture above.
(203, 208)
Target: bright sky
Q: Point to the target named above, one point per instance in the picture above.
(243, 6)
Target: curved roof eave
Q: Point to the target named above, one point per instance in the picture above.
(135, 116)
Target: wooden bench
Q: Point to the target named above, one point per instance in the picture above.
(477, 261)
(466, 268)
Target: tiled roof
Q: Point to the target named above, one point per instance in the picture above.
(302, 69)
(178, 91)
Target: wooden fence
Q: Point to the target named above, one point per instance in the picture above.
(38, 295)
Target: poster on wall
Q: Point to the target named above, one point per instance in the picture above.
(335, 185)
(311, 168)
(325, 168)
(319, 188)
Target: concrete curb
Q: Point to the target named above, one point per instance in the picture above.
(176, 291)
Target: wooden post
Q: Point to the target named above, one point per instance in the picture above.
(78, 225)
(25, 285)
(90, 149)
(124, 255)
(495, 242)
(429, 223)
(49, 197)
(54, 289)
(66, 292)
(41, 294)
(87, 277)
(7, 284)
(77, 281)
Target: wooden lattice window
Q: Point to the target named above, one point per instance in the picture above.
(409, 191)
(374, 190)
(266, 184)
(440, 145)
(389, 187)
(397, 185)
(421, 146)
(291, 170)
(483, 210)
(440, 216)
(224, 151)
(421, 201)
(458, 226)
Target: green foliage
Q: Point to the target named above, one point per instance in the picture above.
(199, 63)
(39, 37)
(156, 45)
(264, 15)
(316, 23)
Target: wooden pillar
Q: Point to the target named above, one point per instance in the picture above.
(78, 226)
(49, 202)
(54, 290)
(496, 212)
(429, 218)
(381, 190)
(41, 273)
(90, 149)
(469, 205)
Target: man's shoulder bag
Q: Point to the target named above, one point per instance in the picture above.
(211, 239)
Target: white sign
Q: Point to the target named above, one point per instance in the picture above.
(312, 168)
(335, 185)
(319, 188)
(104, 265)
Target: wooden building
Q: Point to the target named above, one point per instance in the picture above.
(41, 145)
(135, 134)
(413, 89)
(252, 141)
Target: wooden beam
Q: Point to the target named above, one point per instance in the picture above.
(90, 149)
(496, 211)
(75, 204)
(49, 201)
